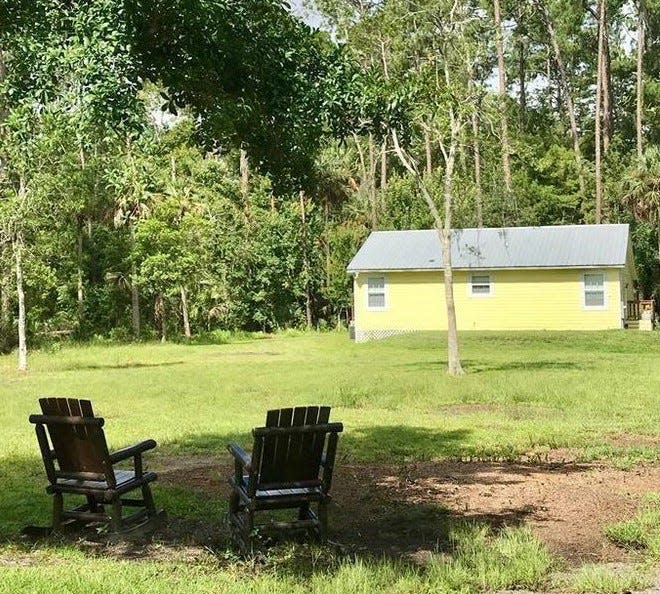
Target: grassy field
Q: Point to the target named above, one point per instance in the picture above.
(596, 394)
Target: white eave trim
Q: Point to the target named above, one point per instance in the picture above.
(474, 269)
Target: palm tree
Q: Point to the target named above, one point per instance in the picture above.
(641, 190)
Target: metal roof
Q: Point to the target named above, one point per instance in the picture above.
(566, 246)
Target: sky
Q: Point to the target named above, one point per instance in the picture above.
(309, 16)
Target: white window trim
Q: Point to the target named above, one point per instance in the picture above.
(385, 293)
(491, 293)
(583, 286)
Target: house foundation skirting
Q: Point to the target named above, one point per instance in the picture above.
(366, 335)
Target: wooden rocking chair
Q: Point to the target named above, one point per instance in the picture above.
(85, 467)
(284, 472)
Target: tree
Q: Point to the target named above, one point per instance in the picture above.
(641, 190)
(639, 112)
(502, 91)
(433, 101)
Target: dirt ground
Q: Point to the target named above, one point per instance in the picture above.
(406, 510)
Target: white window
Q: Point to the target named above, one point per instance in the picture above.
(594, 291)
(481, 285)
(376, 292)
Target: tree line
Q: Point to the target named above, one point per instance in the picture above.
(169, 169)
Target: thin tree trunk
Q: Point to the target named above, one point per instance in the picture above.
(372, 182)
(135, 291)
(326, 242)
(81, 286)
(5, 311)
(598, 113)
(428, 152)
(444, 233)
(453, 356)
(383, 165)
(161, 316)
(476, 149)
(504, 125)
(641, 25)
(522, 76)
(605, 64)
(568, 98)
(308, 296)
(244, 167)
(22, 335)
(184, 311)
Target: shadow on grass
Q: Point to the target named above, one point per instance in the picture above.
(397, 503)
(126, 365)
(475, 366)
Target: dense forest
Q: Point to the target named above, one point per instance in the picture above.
(172, 169)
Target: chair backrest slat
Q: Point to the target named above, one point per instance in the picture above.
(292, 457)
(80, 448)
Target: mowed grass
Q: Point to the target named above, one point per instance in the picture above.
(524, 393)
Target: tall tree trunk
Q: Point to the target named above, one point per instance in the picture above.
(81, 286)
(568, 96)
(605, 64)
(453, 356)
(135, 291)
(244, 167)
(641, 26)
(476, 149)
(598, 112)
(326, 242)
(5, 310)
(161, 316)
(184, 312)
(22, 335)
(372, 182)
(504, 125)
(522, 76)
(443, 229)
(428, 152)
(305, 262)
(383, 165)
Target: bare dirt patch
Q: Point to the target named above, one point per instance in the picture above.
(408, 509)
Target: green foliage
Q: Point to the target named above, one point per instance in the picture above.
(606, 580)
(643, 531)
(482, 561)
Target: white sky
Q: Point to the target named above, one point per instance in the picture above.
(309, 16)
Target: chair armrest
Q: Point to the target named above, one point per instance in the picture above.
(61, 420)
(240, 455)
(132, 451)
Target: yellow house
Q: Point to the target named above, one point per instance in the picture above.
(573, 277)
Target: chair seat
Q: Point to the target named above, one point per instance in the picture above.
(125, 479)
(315, 492)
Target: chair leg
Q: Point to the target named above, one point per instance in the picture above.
(248, 536)
(323, 521)
(58, 508)
(92, 504)
(115, 522)
(303, 511)
(148, 500)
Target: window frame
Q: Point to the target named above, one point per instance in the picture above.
(471, 285)
(369, 291)
(584, 286)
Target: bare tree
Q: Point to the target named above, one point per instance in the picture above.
(641, 27)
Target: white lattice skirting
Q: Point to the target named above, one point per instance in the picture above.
(366, 335)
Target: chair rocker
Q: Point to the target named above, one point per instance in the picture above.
(290, 468)
(77, 462)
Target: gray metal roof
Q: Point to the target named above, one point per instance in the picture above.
(569, 246)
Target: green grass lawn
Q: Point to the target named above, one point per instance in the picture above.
(524, 393)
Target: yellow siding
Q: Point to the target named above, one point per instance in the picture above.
(520, 300)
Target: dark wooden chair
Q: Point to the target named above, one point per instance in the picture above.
(78, 462)
(290, 468)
